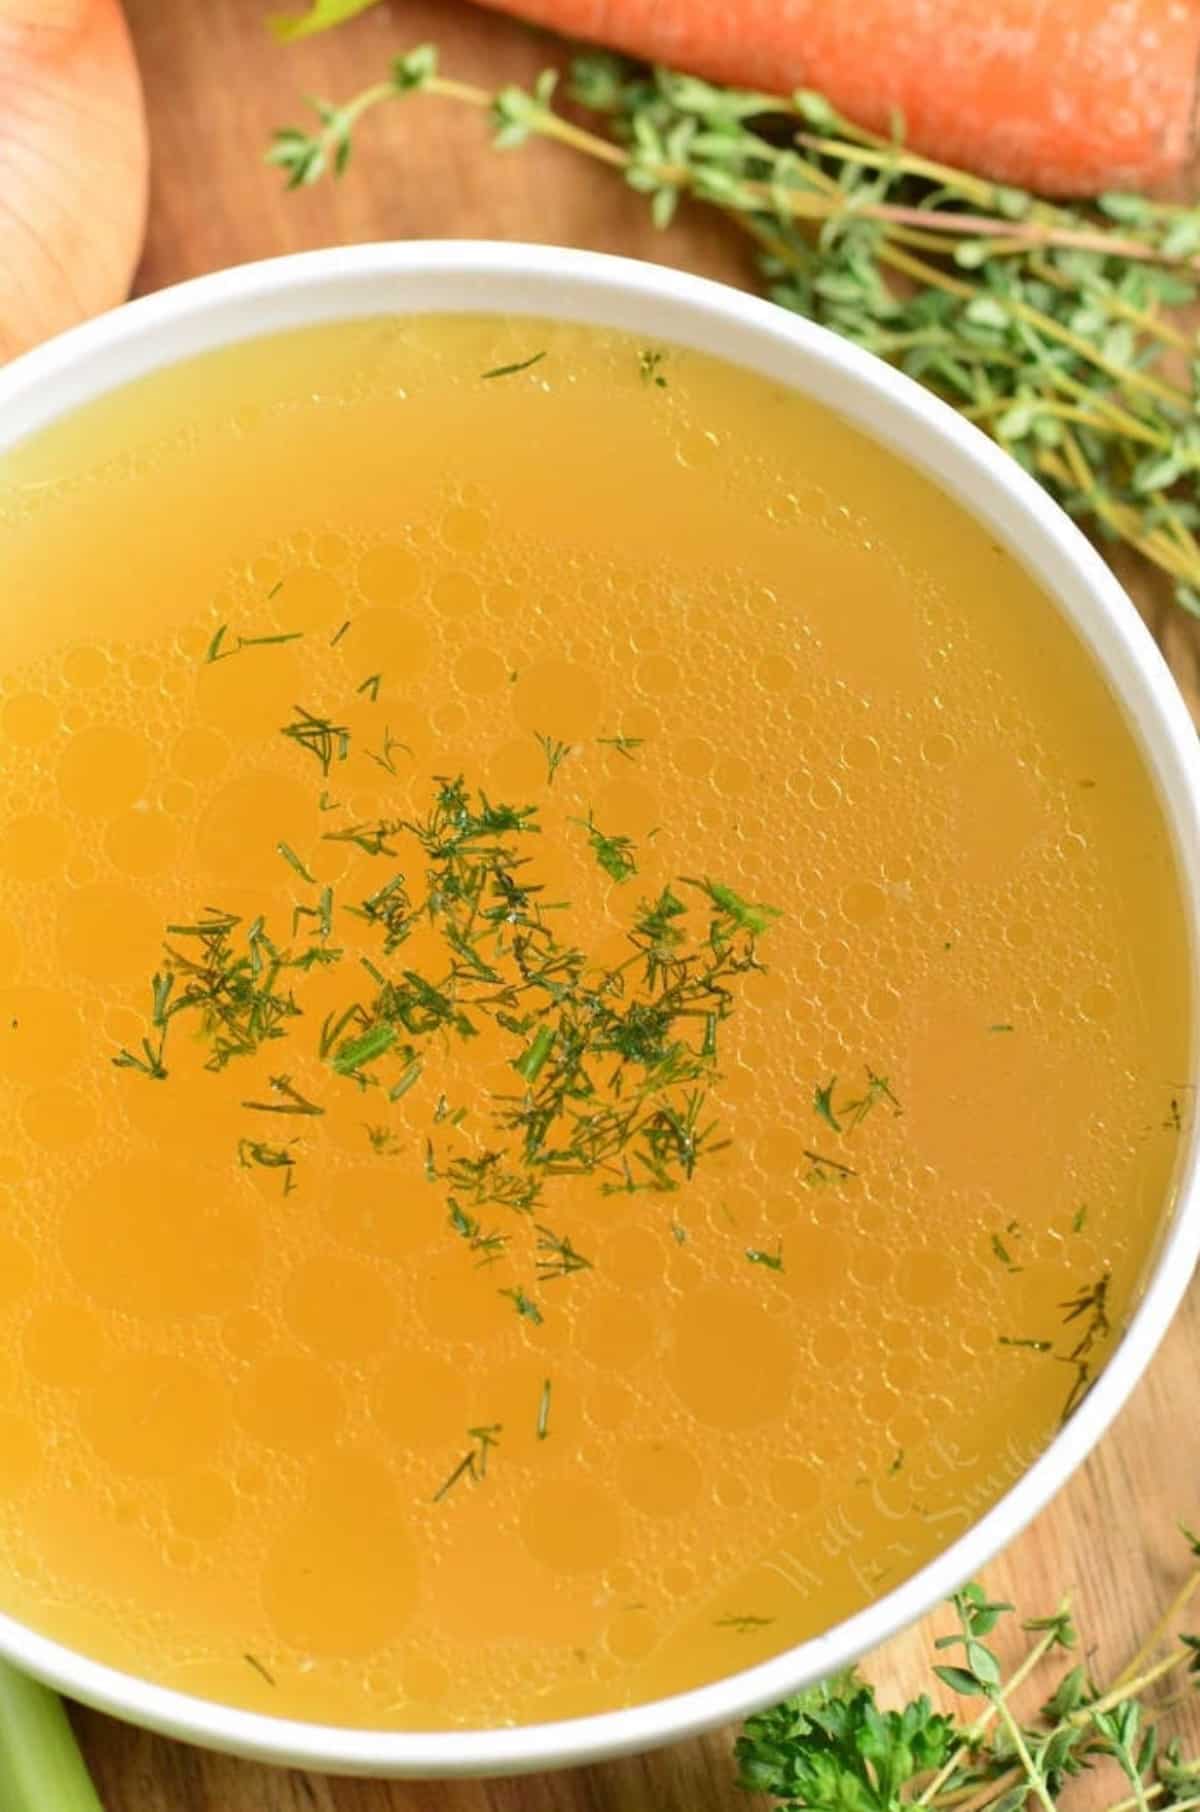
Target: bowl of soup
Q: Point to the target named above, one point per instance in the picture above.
(597, 1006)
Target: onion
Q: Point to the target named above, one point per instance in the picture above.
(74, 165)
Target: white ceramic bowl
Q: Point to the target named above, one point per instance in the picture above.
(537, 280)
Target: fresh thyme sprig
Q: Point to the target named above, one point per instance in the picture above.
(1047, 325)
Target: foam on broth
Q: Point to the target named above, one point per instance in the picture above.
(228, 1411)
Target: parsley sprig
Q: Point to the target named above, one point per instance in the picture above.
(834, 1749)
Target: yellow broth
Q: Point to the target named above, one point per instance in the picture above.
(236, 1447)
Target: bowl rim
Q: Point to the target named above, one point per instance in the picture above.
(664, 304)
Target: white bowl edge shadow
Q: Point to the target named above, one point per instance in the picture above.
(663, 306)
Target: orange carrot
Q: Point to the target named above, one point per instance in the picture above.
(1070, 97)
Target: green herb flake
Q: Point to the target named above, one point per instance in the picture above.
(217, 651)
(293, 861)
(382, 1139)
(525, 1306)
(370, 1045)
(615, 854)
(823, 1104)
(384, 759)
(1000, 1251)
(291, 1100)
(555, 752)
(321, 738)
(772, 1260)
(649, 368)
(822, 1169)
(556, 1256)
(474, 1463)
(502, 371)
(624, 745)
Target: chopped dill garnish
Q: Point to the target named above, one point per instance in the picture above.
(742, 1624)
(823, 1103)
(555, 752)
(382, 1139)
(370, 1045)
(214, 647)
(337, 635)
(293, 1102)
(772, 1260)
(612, 1065)
(532, 1061)
(371, 686)
(543, 1414)
(624, 745)
(878, 1089)
(327, 803)
(293, 861)
(151, 1064)
(897, 1464)
(614, 854)
(490, 1245)
(525, 1306)
(322, 912)
(648, 367)
(268, 1157)
(324, 740)
(732, 914)
(1002, 1028)
(474, 1462)
(679, 1233)
(1079, 1218)
(384, 758)
(410, 1075)
(556, 1256)
(217, 651)
(255, 1152)
(253, 1660)
(268, 641)
(825, 1170)
(233, 981)
(1032, 1346)
(372, 839)
(1001, 1251)
(512, 370)
(275, 591)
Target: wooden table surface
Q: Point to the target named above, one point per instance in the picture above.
(216, 86)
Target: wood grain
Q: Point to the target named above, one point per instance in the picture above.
(216, 86)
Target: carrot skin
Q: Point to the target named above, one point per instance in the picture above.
(1070, 97)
